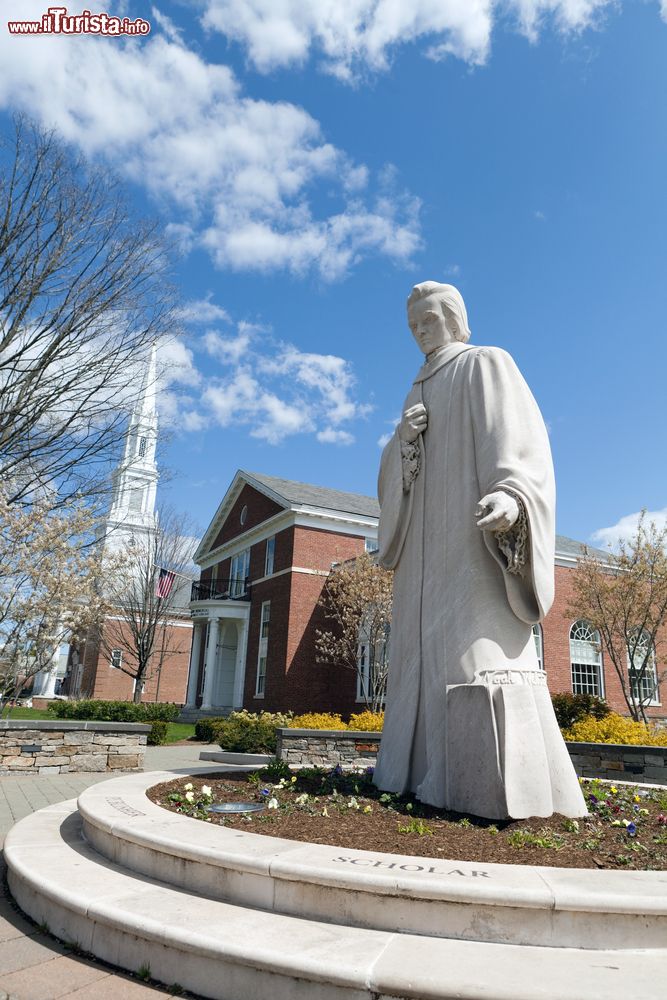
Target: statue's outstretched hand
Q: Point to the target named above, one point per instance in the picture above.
(497, 511)
(413, 422)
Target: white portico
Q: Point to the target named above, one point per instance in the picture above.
(221, 630)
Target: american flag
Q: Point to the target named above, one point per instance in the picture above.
(165, 582)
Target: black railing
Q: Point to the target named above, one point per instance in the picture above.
(220, 590)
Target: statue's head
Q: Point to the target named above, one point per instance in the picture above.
(437, 315)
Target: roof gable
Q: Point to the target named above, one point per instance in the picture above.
(278, 494)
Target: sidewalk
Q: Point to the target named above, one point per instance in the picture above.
(33, 966)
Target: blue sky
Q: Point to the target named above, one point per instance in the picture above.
(315, 159)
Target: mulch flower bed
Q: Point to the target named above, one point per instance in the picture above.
(626, 828)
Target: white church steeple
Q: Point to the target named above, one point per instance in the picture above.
(132, 511)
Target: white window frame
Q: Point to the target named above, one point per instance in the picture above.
(270, 555)
(586, 654)
(239, 571)
(142, 446)
(262, 650)
(538, 638)
(118, 665)
(370, 545)
(651, 673)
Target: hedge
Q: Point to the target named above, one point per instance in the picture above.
(115, 711)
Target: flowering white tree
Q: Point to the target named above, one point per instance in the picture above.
(357, 600)
(48, 594)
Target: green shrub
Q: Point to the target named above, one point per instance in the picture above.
(246, 735)
(571, 708)
(205, 729)
(158, 733)
(95, 710)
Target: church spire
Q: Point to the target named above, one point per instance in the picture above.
(135, 480)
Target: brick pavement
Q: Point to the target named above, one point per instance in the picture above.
(33, 965)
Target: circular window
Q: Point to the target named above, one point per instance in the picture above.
(244, 514)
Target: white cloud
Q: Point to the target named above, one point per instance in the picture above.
(238, 176)
(228, 350)
(198, 311)
(626, 527)
(539, 216)
(384, 439)
(350, 36)
(272, 388)
(663, 10)
(331, 436)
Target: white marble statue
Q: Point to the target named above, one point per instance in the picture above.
(467, 501)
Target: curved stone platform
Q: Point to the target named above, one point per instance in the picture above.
(236, 915)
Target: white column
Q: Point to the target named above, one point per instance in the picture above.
(211, 658)
(239, 670)
(194, 665)
(49, 676)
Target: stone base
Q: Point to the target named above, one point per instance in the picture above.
(236, 916)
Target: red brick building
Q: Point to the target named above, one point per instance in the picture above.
(95, 668)
(265, 558)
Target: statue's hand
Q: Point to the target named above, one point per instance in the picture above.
(413, 423)
(497, 511)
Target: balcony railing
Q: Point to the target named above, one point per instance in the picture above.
(220, 590)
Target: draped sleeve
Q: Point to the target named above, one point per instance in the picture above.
(512, 453)
(395, 503)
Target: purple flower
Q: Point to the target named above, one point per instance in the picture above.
(370, 771)
(632, 829)
(265, 791)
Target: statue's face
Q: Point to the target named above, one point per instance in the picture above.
(428, 326)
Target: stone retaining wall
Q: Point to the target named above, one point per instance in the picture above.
(329, 748)
(620, 763)
(54, 747)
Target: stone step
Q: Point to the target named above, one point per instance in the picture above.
(228, 952)
(513, 904)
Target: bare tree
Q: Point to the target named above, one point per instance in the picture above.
(149, 590)
(47, 587)
(83, 294)
(625, 599)
(357, 600)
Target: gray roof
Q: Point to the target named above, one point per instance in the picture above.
(318, 496)
(356, 503)
(569, 547)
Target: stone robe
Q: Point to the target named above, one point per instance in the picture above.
(469, 723)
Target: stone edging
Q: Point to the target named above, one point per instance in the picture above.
(67, 725)
(516, 904)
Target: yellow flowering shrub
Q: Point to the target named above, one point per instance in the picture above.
(317, 720)
(615, 729)
(368, 722)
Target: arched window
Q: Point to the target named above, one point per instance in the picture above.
(537, 636)
(372, 662)
(644, 685)
(586, 659)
